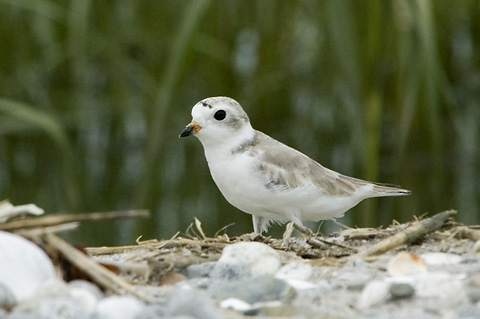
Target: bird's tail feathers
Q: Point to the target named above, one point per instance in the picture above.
(390, 190)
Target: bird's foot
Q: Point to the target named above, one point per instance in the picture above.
(304, 230)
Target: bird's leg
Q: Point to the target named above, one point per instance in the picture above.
(287, 235)
(259, 224)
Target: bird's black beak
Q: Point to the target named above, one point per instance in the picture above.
(190, 129)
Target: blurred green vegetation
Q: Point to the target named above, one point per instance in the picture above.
(93, 95)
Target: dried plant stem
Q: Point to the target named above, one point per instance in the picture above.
(99, 274)
(412, 233)
(50, 220)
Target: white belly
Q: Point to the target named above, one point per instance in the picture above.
(239, 183)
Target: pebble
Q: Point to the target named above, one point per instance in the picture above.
(219, 270)
(236, 304)
(260, 258)
(62, 308)
(469, 312)
(295, 270)
(353, 280)
(153, 312)
(255, 289)
(192, 303)
(22, 273)
(473, 295)
(400, 290)
(52, 288)
(374, 293)
(86, 293)
(114, 307)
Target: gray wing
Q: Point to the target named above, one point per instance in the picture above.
(282, 166)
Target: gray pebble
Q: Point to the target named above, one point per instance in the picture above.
(469, 312)
(255, 289)
(62, 308)
(473, 294)
(21, 316)
(219, 270)
(50, 289)
(190, 302)
(152, 312)
(399, 290)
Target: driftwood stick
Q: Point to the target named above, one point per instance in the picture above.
(412, 233)
(99, 274)
(51, 220)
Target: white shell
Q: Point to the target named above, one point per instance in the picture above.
(405, 264)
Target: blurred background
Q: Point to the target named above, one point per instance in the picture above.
(93, 96)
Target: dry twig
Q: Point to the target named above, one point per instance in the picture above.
(412, 233)
(99, 274)
(51, 220)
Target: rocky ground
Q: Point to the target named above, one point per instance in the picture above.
(356, 273)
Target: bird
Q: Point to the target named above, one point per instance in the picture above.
(271, 181)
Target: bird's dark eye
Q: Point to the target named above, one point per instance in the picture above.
(220, 115)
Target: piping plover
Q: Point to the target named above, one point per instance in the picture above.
(267, 179)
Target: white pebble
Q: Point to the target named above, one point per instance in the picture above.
(235, 304)
(115, 307)
(24, 266)
(85, 293)
(295, 270)
(374, 293)
(261, 259)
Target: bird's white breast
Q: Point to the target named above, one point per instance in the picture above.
(236, 177)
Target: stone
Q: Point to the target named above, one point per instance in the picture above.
(219, 270)
(24, 266)
(400, 290)
(469, 312)
(251, 290)
(153, 312)
(52, 288)
(374, 293)
(62, 308)
(295, 270)
(114, 307)
(190, 302)
(86, 293)
(236, 304)
(260, 258)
